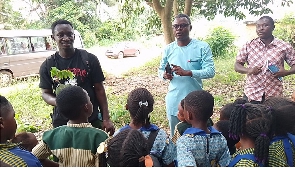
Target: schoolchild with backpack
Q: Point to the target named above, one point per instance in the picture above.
(251, 123)
(140, 104)
(200, 145)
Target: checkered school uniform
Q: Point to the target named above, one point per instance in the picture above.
(277, 156)
(12, 155)
(245, 162)
(255, 53)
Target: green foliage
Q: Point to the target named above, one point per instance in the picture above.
(285, 29)
(61, 74)
(9, 18)
(31, 112)
(221, 42)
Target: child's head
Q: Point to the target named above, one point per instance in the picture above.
(240, 101)
(127, 148)
(7, 122)
(223, 127)
(293, 97)
(225, 111)
(180, 114)
(140, 104)
(27, 140)
(74, 103)
(284, 120)
(252, 121)
(198, 106)
(276, 101)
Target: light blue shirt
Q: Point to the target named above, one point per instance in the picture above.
(197, 57)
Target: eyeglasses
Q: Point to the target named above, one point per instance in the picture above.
(184, 25)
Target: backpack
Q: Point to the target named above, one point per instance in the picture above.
(51, 61)
(244, 156)
(287, 146)
(151, 139)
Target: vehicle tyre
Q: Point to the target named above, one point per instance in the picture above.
(120, 55)
(137, 53)
(5, 78)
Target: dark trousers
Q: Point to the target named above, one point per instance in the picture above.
(254, 101)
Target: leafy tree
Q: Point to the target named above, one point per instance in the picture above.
(165, 9)
(10, 18)
(285, 29)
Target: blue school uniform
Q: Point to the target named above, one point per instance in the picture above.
(197, 149)
(163, 147)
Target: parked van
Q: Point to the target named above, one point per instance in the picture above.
(23, 51)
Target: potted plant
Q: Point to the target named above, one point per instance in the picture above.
(58, 75)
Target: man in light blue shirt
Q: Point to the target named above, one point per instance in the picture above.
(191, 61)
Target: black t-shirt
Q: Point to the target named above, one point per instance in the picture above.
(85, 78)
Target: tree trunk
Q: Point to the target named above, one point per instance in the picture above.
(175, 8)
(167, 28)
(165, 14)
(188, 7)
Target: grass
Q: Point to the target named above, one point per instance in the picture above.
(33, 114)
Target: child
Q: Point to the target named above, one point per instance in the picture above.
(200, 145)
(282, 148)
(275, 102)
(182, 125)
(226, 110)
(140, 104)
(10, 153)
(251, 123)
(223, 127)
(74, 144)
(26, 140)
(128, 149)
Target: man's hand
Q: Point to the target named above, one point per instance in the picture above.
(255, 70)
(167, 76)
(281, 73)
(179, 71)
(108, 126)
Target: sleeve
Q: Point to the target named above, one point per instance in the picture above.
(164, 148)
(242, 55)
(208, 69)
(96, 74)
(185, 157)
(224, 156)
(45, 77)
(290, 56)
(41, 151)
(163, 63)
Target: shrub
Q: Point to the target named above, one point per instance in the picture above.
(285, 29)
(221, 42)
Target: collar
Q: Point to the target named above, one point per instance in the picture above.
(274, 42)
(8, 145)
(197, 131)
(80, 125)
(152, 127)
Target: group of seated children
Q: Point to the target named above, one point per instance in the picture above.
(246, 135)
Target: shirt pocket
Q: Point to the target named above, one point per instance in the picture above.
(195, 63)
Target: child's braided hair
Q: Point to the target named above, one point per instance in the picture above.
(253, 121)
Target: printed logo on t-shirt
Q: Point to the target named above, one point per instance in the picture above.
(80, 74)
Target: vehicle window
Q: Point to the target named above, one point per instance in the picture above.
(17, 45)
(38, 44)
(3, 46)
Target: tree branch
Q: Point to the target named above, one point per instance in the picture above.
(158, 7)
(168, 8)
(188, 7)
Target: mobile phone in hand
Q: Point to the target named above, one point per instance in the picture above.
(274, 69)
(168, 68)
